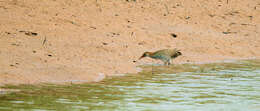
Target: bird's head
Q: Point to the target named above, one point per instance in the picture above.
(179, 53)
(146, 54)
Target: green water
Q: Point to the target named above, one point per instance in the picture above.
(206, 87)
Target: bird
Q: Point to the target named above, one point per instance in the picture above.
(165, 55)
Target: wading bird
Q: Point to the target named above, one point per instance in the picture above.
(164, 55)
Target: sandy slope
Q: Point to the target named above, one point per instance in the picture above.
(86, 40)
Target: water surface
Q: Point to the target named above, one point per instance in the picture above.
(208, 87)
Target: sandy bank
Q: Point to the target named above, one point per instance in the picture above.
(87, 40)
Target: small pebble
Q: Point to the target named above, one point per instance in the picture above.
(31, 33)
(105, 43)
(173, 35)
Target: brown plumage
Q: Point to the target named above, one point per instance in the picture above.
(164, 55)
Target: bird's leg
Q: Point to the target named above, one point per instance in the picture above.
(165, 63)
(172, 61)
(168, 62)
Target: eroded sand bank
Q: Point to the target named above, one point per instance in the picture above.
(87, 40)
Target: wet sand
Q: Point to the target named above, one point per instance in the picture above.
(88, 40)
